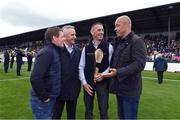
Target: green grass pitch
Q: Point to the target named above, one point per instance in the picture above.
(157, 101)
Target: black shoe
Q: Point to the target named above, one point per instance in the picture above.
(160, 82)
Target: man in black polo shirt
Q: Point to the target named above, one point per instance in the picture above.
(95, 61)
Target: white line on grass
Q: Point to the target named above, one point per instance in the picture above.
(14, 79)
(163, 79)
(143, 77)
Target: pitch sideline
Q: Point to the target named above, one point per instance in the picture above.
(15, 79)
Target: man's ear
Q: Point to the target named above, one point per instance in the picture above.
(54, 38)
(91, 31)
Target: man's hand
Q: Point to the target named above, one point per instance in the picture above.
(98, 77)
(113, 72)
(88, 89)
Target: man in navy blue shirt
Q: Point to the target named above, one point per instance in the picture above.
(160, 65)
(29, 60)
(6, 61)
(46, 75)
(19, 60)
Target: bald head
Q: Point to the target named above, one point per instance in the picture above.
(125, 19)
(123, 26)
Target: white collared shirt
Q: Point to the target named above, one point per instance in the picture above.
(96, 43)
(82, 62)
(69, 48)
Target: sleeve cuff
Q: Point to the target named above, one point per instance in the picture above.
(121, 72)
(84, 82)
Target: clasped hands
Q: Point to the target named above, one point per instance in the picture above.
(112, 73)
(98, 77)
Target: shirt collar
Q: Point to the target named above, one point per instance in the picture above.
(69, 49)
(128, 36)
(96, 43)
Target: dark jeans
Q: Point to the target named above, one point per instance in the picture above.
(29, 66)
(11, 66)
(127, 107)
(70, 108)
(160, 76)
(101, 90)
(40, 109)
(18, 69)
(6, 66)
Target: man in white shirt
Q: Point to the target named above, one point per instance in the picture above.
(94, 63)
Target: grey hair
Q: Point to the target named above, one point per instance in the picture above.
(66, 27)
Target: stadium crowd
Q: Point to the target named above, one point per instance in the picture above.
(158, 44)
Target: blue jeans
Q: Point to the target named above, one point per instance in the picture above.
(40, 109)
(127, 107)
